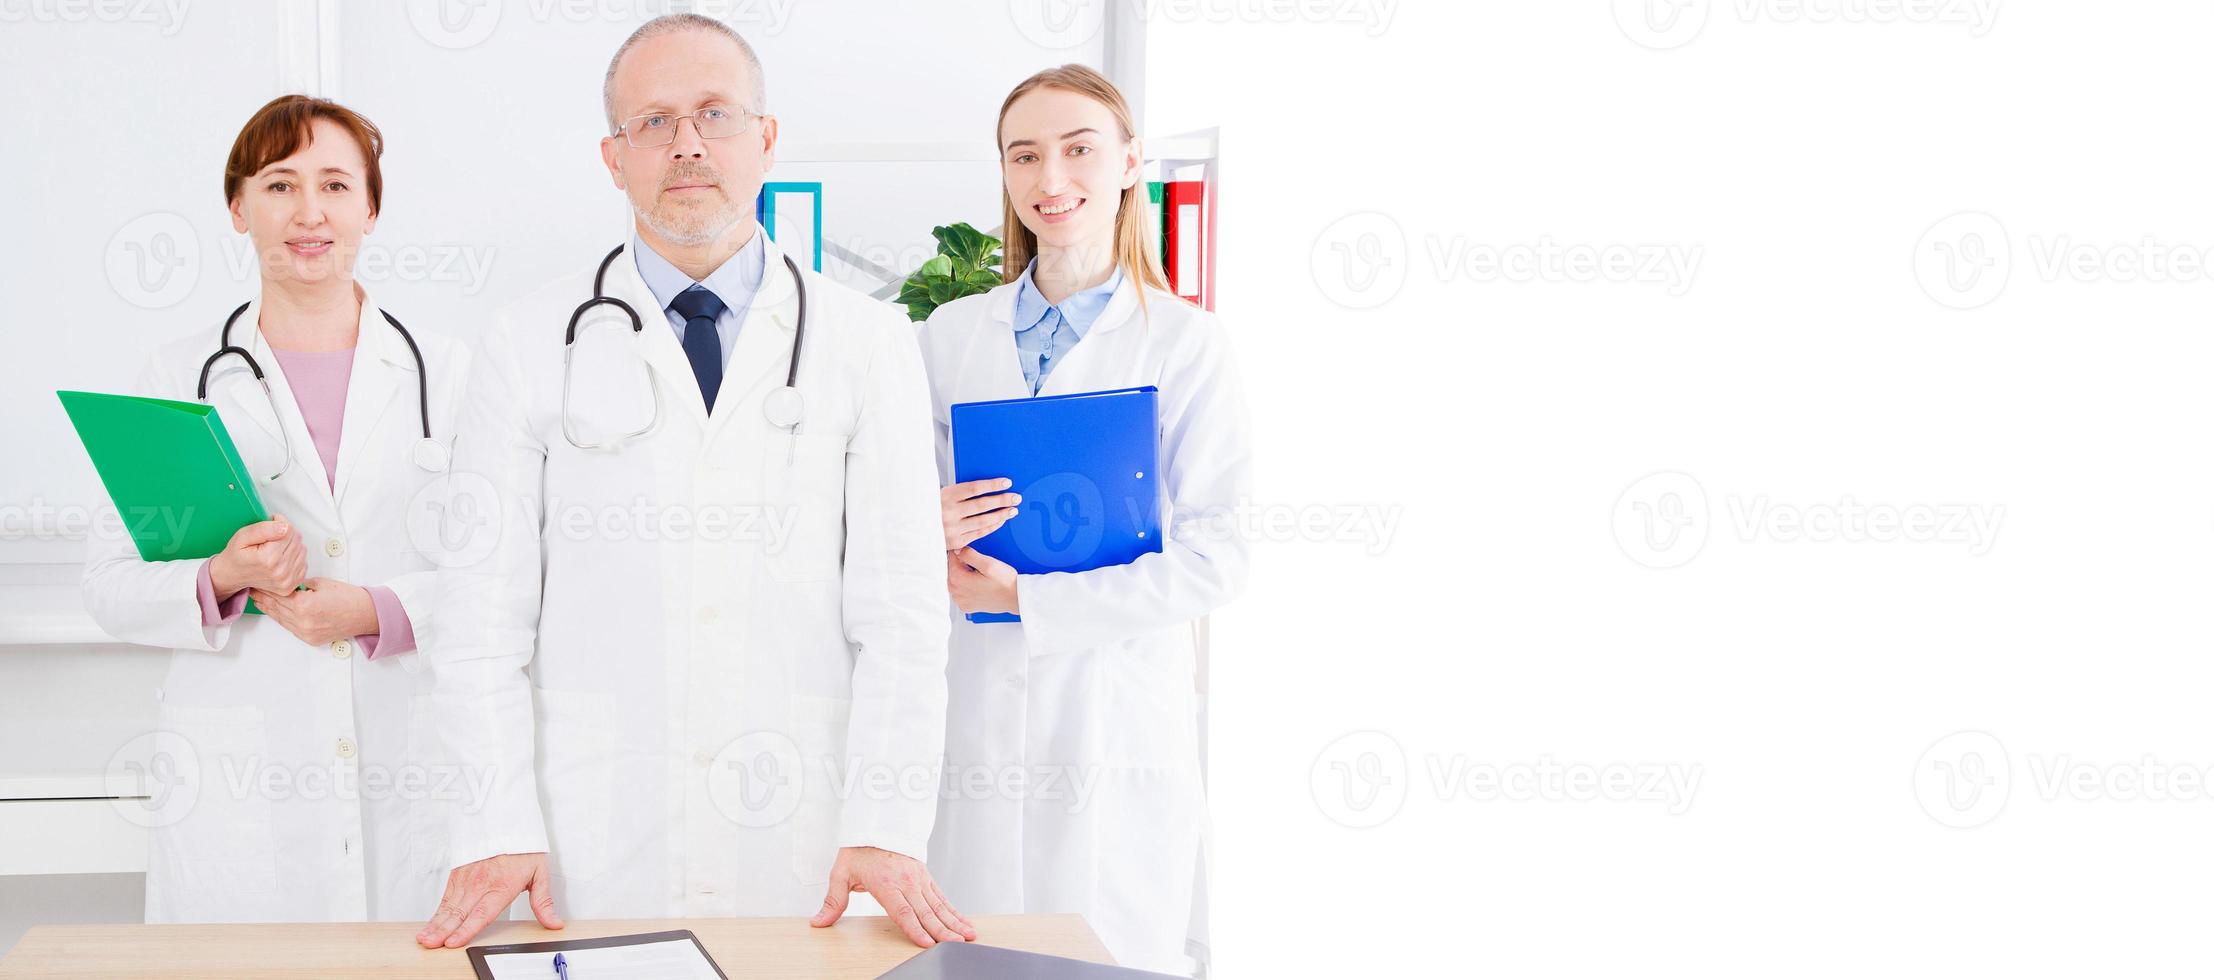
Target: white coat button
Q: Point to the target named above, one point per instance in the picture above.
(334, 547)
(707, 615)
(345, 748)
(1014, 681)
(342, 649)
(703, 759)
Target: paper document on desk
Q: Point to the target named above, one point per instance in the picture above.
(649, 956)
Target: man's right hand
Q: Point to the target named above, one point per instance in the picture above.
(968, 513)
(265, 555)
(478, 892)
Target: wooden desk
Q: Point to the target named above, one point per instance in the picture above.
(857, 947)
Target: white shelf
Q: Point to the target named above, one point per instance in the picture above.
(72, 837)
(1183, 146)
(18, 787)
(886, 151)
(74, 822)
(72, 627)
(42, 603)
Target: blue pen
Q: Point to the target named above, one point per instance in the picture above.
(561, 966)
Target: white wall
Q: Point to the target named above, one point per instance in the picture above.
(104, 165)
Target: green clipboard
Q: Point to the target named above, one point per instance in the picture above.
(170, 468)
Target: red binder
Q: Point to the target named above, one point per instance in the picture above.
(1191, 245)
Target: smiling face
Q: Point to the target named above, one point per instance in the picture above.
(307, 213)
(1066, 163)
(693, 190)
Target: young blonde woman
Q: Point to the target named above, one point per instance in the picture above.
(1072, 755)
(308, 784)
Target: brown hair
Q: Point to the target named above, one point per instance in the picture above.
(280, 128)
(1135, 247)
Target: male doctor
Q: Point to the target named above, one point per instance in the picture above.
(698, 608)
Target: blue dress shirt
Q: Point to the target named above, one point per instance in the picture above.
(734, 282)
(1045, 332)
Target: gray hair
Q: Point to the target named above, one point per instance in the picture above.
(676, 23)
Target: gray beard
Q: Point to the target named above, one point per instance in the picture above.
(707, 228)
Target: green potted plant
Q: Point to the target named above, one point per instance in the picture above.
(967, 263)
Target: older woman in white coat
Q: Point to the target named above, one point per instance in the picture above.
(1072, 758)
(305, 781)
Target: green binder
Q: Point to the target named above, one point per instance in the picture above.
(171, 470)
(1156, 194)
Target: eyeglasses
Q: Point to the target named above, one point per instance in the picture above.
(712, 122)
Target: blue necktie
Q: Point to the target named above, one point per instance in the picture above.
(700, 309)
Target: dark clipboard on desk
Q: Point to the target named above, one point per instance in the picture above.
(485, 971)
(975, 961)
(1086, 466)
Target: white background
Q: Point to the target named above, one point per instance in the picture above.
(1503, 622)
(1509, 608)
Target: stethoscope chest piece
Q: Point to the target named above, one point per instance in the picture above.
(784, 407)
(430, 455)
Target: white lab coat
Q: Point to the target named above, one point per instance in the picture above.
(1090, 699)
(308, 784)
(669, 687)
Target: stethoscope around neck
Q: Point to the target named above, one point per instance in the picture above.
(783, 407)
(428, 453)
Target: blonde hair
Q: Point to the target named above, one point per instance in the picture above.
(1136, 248)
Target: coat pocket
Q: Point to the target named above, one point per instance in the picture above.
(212, 843)
(576, 780)
(819, 729)
(442, 788)
(805, 475)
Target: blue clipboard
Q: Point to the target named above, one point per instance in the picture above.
(1087, 467)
